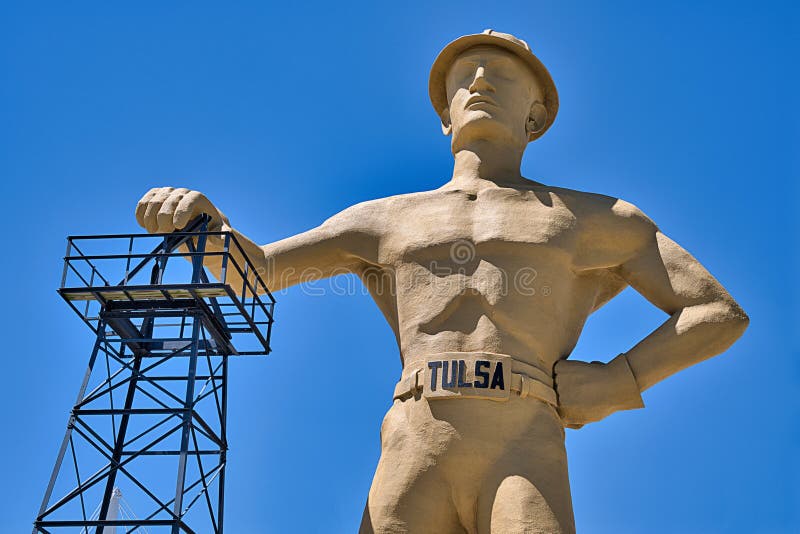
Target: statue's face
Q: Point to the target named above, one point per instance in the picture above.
(490, 93)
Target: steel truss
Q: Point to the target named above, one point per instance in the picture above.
(153, 400)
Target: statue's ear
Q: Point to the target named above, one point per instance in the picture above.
(447, 127)
(537, 118)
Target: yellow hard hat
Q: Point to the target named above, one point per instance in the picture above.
(436, 83)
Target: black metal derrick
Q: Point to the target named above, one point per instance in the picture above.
(153, 399)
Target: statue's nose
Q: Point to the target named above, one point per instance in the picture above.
(479, 82)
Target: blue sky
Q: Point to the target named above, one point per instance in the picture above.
(285, 114)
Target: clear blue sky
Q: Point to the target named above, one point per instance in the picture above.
(285, 114)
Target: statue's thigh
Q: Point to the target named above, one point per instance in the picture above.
(410, 498)
(409, 493)
(518, 507)
(526, 492)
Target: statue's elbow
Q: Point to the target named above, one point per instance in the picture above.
(734, 319)
(742, 321)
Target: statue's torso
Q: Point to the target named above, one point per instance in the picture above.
(499, 270)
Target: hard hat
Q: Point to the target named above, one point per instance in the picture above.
(436, 83)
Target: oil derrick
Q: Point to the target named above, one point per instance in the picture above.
(151, 413)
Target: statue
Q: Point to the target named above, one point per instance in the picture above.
(474, 441)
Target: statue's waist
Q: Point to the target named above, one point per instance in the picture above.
(483, 375)
(517, 366)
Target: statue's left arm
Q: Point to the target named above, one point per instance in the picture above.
(704, 320)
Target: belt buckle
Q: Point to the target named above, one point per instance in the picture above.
(477, 375)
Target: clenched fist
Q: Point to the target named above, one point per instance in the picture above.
(164, 209)
(589, 392)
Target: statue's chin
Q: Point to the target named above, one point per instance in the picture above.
(482, 126)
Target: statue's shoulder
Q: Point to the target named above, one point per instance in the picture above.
(411, 199)
(377, 215)
(386, 205)
(609, 229)
(596, 208)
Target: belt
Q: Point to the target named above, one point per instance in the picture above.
(445, 375)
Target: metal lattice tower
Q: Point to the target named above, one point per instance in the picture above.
(151, 412)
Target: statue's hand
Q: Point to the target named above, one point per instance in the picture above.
(589, 392)
(164, 209)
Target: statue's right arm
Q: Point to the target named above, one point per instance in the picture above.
(343, 243)
(339, 245)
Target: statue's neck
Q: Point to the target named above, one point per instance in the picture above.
(484, 164)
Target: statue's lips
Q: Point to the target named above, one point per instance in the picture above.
(479, 99)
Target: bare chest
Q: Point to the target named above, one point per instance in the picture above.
(457, 228)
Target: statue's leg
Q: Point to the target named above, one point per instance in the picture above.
(520, 508)
(409, 494)
(526, 489)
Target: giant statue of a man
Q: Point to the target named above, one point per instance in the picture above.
(474, 441)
